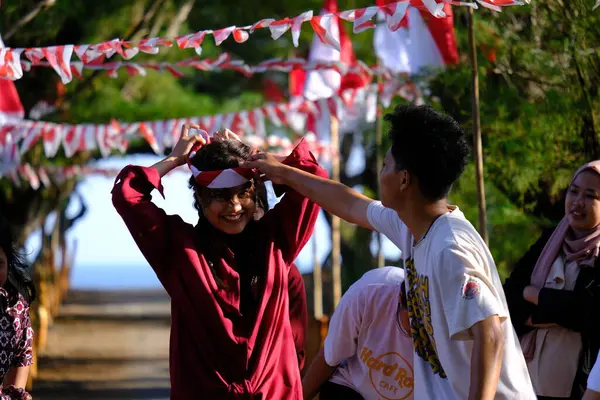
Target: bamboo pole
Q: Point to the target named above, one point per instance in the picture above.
(317, 282)
(336, 267)
(477, 147)
(379, 163)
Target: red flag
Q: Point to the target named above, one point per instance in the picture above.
(10, 102)
(421, 40)
(272, 91)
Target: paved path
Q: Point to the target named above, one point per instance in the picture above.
(107, 345)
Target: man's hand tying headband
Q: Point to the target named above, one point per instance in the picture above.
(269, 165)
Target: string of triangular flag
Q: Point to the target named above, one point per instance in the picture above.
(222, 62)
(59, 57)
(53, 174)
(18, 136)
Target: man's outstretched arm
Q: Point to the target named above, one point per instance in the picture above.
(338, 199)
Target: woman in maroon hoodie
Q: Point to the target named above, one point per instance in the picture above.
(227, 277)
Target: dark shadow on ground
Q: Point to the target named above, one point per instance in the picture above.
(152, 388)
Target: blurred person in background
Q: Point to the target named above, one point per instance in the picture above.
(554, 294)
(368, 349)
(17, 291)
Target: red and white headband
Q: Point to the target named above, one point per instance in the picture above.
(219, 179)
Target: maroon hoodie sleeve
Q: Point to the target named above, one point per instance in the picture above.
(298, 312)
(148, 224)
(294, 216)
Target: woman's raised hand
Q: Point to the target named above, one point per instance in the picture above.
(224, 134)
(186, 142)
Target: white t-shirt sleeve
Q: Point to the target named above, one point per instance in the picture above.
(467, 292)
(386, 221)
(344, 328)
(594, 378)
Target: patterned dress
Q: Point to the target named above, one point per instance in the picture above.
(16, 337)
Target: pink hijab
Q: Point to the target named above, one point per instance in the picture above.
(584, 250)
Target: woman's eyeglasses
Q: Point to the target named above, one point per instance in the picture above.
(242, 193)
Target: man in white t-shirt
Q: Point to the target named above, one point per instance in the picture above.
(464, 344)
(368, 349)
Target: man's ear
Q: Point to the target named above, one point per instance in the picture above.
(405, 179)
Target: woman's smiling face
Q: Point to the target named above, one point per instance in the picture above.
(582, 204)
(229, 210)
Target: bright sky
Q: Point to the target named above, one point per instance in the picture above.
(106, 254)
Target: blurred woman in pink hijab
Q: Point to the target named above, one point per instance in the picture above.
(554, 294)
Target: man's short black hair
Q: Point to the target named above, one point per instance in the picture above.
(430, 145)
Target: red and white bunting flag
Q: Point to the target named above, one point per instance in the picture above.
(102, 140)
(278, 28)
(263, 23)
(128, 50)
(361, 18)
(30, 176)
(52, 137)
(43, 175)
(226, 121)
(297, 25)
(222, 34)
(322, 25)
(77, 69)
(135, 69)
(210, 123)
(148, 135)
(244, 123)
(107, 49)
(71, 139)
(435, 9)
(112, 71)
(4, 131)
(34, 54)
(31, 135)
(116, 136)
(271, 113)
(297, 115)
(258, 117)
(150, 46)
(96, 53)
(59, 58)
(170, 128)
(158, 130)
(10, 63)
(240, 35)
(282, 110)
(193, 40)
(88, 139)
(394, 14)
